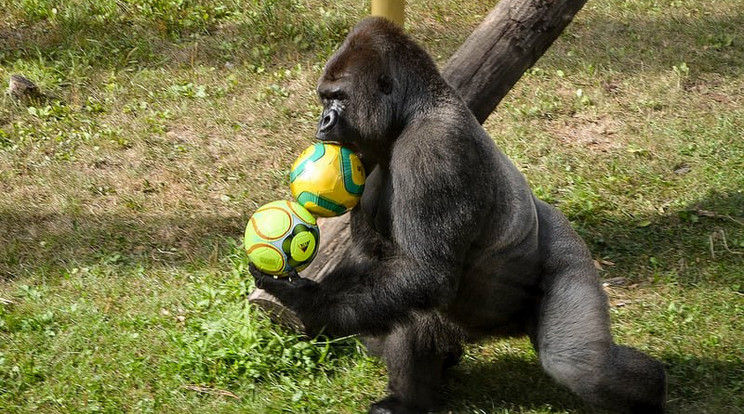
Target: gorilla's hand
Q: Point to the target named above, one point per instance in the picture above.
(291, 286)
(297, 293)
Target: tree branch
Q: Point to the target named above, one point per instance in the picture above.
(514, 35)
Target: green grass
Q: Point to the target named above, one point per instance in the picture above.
(122, 282)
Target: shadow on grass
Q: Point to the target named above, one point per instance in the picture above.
(701, 243)
(707, 42)
(514, 383)
(674, 247)
(55, 243)
(134, 40)
(507, 382)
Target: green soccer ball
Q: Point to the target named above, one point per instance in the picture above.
(327, 179)
(281, 236)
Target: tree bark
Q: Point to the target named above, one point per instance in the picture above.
(509, 41)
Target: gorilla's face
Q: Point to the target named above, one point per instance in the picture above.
(335, 122)
(357, 96)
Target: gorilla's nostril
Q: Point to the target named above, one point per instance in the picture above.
(329, 120)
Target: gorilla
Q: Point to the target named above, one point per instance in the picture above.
(450, 245)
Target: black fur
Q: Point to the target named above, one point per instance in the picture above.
(450, 244)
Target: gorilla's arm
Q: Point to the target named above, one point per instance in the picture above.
(431, 228)
(369, 298)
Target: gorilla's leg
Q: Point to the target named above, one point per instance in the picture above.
(576, 349)
(376, 346)
(416, 354)
(573, 337)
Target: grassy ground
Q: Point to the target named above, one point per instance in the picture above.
(122, 282)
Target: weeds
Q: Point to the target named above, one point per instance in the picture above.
(122, 285)
(227, 342)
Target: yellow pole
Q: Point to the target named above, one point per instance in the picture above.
(393, 10)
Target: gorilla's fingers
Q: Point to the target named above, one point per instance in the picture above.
(294, 278)
(266, 281)
(298, 281)
(258, 275)
(273, 284)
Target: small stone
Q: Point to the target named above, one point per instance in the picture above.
(21, 87)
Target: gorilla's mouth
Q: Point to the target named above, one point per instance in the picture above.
(350, 145)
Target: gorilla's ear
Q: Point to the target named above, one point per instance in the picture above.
(385, 83)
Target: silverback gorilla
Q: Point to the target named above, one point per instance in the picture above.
(449, 243)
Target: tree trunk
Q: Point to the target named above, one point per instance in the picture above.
(509, 41)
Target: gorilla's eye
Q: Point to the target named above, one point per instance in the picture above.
(332, 93)
(338, 95)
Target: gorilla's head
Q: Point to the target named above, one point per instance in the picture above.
(371, 85)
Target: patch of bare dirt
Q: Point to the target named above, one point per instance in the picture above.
(595, 134)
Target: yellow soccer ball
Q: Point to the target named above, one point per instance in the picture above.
(281, 236)
(327, 179)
